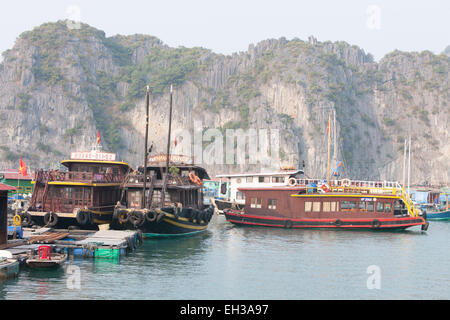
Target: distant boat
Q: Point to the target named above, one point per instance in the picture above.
(9, 267)
(231, 198)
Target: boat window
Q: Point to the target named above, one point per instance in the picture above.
(272, 204)
(326, 206)
(116, 170)
(352, 204)
(135, 199)
(370, 206)
(278, 179)
(345, 205)
(334, 206)
(258, 202)
(362, 206)
(264, 179)
(260, 179)
(249, 179)
(240, 195)
(387, 207)
(379, 206)
(253, 203)
(308, 206)
(316, 206)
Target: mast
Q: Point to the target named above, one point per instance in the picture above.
(404, 164)
(409, 162)
(147, 103)
(334, 139)
(163, 190)
(329, 146)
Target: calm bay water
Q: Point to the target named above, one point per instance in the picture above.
(229, 262)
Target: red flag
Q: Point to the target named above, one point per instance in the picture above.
(175, 142)
(328, 127)
(22, 167)
(98, 137)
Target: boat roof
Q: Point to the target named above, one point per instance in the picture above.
(5, 187)
(66, 162)
(276, 173)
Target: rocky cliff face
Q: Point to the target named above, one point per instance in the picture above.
(58, 86)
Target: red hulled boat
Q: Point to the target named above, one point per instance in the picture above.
(342, 204)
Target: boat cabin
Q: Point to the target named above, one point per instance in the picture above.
(183, 185)
(92, 182)
(300, 203)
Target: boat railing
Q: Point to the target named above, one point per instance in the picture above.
(77, 176)
(363, 187)
(137, 178)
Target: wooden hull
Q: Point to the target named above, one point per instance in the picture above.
(9, 269)
(168, 224)
(221, 205)
(338, 223)
(55, 262)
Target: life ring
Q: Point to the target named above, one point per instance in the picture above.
(198, 181)
(50, 219)
(288, 224)
(376, 224)
(193, 177)
(292, 182)
(325, 187)
(17, 220)
(26, 219)
(346, 182)
(338, 223)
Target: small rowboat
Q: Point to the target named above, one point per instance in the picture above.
(9, 267)
(46, 258)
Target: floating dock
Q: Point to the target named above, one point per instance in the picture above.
(77, 243)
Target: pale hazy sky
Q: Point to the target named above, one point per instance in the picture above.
(227, 26)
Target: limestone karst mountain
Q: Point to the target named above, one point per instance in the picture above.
(58, 86)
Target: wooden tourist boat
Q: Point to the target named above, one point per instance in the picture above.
(343, 204)
(84, 196)
(164, 197)
(46, 258)
(174, 207)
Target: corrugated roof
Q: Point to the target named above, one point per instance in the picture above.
(5, 187)
(16, 176)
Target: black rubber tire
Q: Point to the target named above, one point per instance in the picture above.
(288, 224)
(82, 218)
(338, 223)
(160, 216)
(137, 219)
(26, 218)
(376, 224)
(151, 216)
(50, 219)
